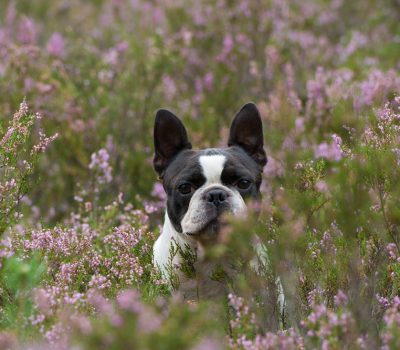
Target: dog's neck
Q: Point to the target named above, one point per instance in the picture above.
(170, 238)
(201, 285)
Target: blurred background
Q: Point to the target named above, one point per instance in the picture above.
(80, 208)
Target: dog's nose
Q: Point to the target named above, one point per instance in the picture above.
(217, 196)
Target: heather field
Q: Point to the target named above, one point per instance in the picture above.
(81, 206)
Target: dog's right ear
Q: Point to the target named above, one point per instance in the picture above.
(247, 133)
(170, 138)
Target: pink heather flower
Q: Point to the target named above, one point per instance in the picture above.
(243, 40)
(328, 245)
(82, 323)
(323, 150)
(340, 298)
(111, 57)
(208, 81)
(6, 248)
(29, 84)
(274, 168)
(100, 282)
(57, 336)
(391, 249)
(322, 186)
(104, 307)
(148, 321)
(242, 312)
(11, 13)
(286, 340)
(150, 208)
(27, 31)
(45, 299)
(56, 45)
(68, 271)
(157, 15)
(299, 124)
(44, 142)
(227, 44)
(330, 151)
(7, 136)
(187, 36)
(37, 320)
(391, 320)
(227, 47)
(377, 85)
(198, 85)
(122, 46)
(316, 90)
(74, 299)
(198, 15)
(383, 302)
(357, 41)
(159, 192)
(169, 85)
(129, 300)
(337, 140)
(315, 296)
(100, 163)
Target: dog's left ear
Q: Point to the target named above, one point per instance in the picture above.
(170, 138)
(247, 133)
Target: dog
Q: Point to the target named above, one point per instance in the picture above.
(202, 185)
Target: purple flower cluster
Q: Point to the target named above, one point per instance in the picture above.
(386, 133)
(332, 151)
(99, 164)
(323, 74)
(56, 45)
(85, 264)
(244, 334)
(160, 199)
(17, 162)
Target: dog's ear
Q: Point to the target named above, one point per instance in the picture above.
(170, 138)
(247, 133)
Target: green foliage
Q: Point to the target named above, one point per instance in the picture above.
(17, 163)
(77, 224)
(18, 277)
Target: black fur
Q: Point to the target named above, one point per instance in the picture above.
(247, 133)
(177, 163)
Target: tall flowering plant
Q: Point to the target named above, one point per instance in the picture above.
(17, 161)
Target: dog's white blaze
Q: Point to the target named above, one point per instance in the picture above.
(195, 217)
(212, 167)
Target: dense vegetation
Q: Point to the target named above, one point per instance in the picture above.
(80, 205)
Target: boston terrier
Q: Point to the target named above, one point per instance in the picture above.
(201, 186)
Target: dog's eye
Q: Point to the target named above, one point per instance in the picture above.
(185, 188)
(243, 184)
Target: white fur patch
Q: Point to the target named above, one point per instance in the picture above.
(212, 166)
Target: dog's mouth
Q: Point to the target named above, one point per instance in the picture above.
(212, 226)
(210, 221)
(210, 229)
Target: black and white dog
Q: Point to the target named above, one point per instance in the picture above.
(201, 185)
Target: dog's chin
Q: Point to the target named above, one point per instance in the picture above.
(210, 230)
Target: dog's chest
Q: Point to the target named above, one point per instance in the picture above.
(204, 279)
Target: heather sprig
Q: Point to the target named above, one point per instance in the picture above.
(17, 162)
(78, 217)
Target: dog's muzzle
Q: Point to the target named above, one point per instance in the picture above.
(206, 209)
(218, 197)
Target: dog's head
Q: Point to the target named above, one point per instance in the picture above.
(203, 184)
